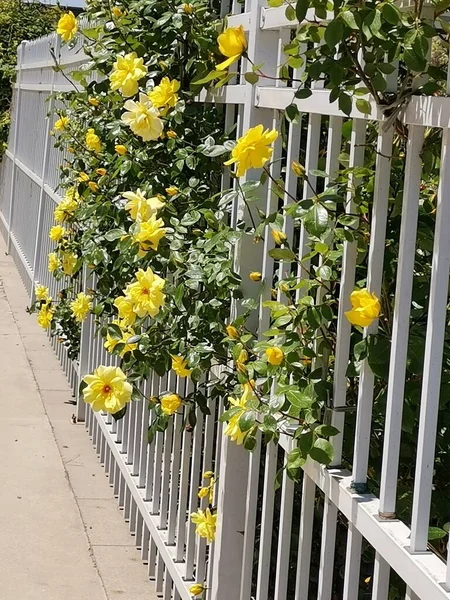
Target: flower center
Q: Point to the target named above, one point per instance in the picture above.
(144, 291)
(106, 389)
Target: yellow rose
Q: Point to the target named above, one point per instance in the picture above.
(53, 262)
(127, 71)
(127, 333)
(65, 209)
(206, 524)
(232, 43)
(140, 207)
(107, 389)
(172, 190)
(101, 172)
(69, 261)
(275, 355)
(298, 169)
(45, 315)
(93, 186)
(278, 236)
(67, 26)
(81, 306)
(207, 475)
(149, 235)
(41, 292)
(146, 293)
(188, 8)
(143, 118)
(56, 233)
(61, 123)
(93, 101)
(171, 134)
(120, 149)
(116, 11)
(203, 492)
(253, 149)
(365, 308)
(125, 308)
(232, 332)
(83, 177)
(170, 403)
(255, 276)
(179, 366)
(165, 95)
(93, 141)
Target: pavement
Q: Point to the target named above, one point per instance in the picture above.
(62, 535)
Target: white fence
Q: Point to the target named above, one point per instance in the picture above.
(266, 539)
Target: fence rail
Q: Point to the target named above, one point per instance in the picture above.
(265, 536)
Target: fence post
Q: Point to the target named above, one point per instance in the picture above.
(39, 232)
(20, 56)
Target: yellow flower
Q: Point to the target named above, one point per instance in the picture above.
(61, 123)
(146, 293)
(203, 492)
(69, 261)
(232, 43)
(278, 236)
(83, 177)
(232, 332)
(127, 333)
(206, 524)
(172, 190)
(45, 315)
(197, 588)
(81, 306)
(188, 8)
(93, 141)
(208, 475)
(170, 403)
(171, 134)
(255, 276)
(149, 234)
(53, 262)
(140, 207)
(143, 118)
(56, 233)
(365, 308)
(298, 169)
(232, 430)
(127, 71)
(93, 101)
(71, 149)
(120, 149)
(275, 355)
(165, 94)
(179, 366)
(116, 11)
(125, 307)
(93, 186)
(65, 209)
(67, 26)
(101, 172)
(252, 149)
(41, 292)
(107, 389)
(242, 359)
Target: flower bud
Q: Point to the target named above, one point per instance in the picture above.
(255, 276)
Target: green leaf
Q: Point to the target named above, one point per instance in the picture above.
(292, 113)
(202, 78)
(390, 13)
(290, 13)
(363, 106)
(334, 33)
(322, 451)
(247, 420)
(214, 150)
(299, 399)
(284, 255)
(250, 442)
(349, 19)
(326, 430)
(275, 3)
(303, 93)
(114, 234)
(345, 103)
(316, 220)
(301, 8)
(415, 63)
(251, 78)
(436, 533)
(120, 413)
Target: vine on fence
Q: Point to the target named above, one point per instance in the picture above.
(144, 213)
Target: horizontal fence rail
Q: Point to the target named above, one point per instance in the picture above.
(266, 537)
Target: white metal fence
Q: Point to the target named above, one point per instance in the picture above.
(266, 539)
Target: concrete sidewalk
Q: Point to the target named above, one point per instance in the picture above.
(62, 535)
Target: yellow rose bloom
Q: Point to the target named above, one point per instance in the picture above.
(93, 186)
(127, 71)
(172, 190)
(255, 276)
(93, 142)
(188, 8)
(165, 94)
(120, 149)
(252, 150)
(101, 172)
(275, 355)
(298, 169)
(127, 333)
(203, 492)
(107, 389)
(41, 292)
(81, 306)
(206, 524)
(149, 235)
(171, 134)
(125, 307)
(232, 43)
(56, 233)
(61, 123)
(67, 26)
(179, 366)
(232, 332)
(146, 293)
(116, 11)
(83, 177)
(69, 261)
(278, 236)
(170, 403)
(93, 101)
(65, 209)
(143, 118)
(232, 430)
(365, 308)
(208, 475)
(45, 315)
(53, 262)
(140, 207)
